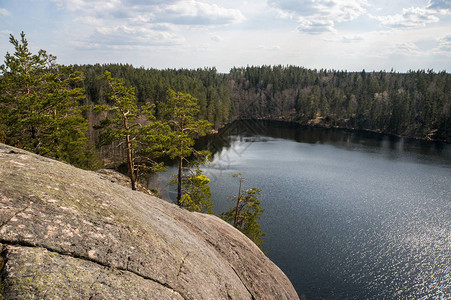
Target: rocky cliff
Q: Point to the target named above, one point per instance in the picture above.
(66, 233)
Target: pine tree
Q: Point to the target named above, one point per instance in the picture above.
(196, 195)
(180, 111)
(246, 213)
(144, 140)
(39, 106)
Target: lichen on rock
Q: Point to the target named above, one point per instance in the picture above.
(75, 234)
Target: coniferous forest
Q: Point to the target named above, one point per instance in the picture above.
(48, 108)
(415, 104)
(114, 114)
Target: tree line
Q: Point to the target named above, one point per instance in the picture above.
(71, 113)
(44, 109)
(147, 138)
(209, 87)
(415, 104)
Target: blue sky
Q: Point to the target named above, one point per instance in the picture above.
(331, 34)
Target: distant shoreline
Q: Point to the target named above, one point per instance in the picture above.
(328, 126)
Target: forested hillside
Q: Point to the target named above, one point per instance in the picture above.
(151, 86)
(415, 104)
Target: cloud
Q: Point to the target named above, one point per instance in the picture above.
(123, 23)
(408, 48)
(198, 13)
(316, 27)
(410, 18)
(296, 8)
(416, 16)
(89, 20)
(405, 49)
(4, 12)
(124, 36)
(352, 39)
(444, 46)
(318, 16)
(440, 5)
(269, 48)
(217, 38)
(179, 12)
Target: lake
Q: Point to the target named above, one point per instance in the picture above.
(348, 215)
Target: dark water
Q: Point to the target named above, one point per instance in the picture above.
(347, 215)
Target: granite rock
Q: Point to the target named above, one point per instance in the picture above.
(67, 233)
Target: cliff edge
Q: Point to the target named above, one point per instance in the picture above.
(67, 233)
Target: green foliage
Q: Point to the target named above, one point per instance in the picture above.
(196, 195)
(151, 85)
(143, 138)
(180, 111)
(246, 213)
(416, 104)
(39, 106)
(2, 136)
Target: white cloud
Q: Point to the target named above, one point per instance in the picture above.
(198, 13)
(217, 38)
(352, 39)
(316, 27)
(182, 12)
(444, 46)
(366, 34)
(440, 5)
(4, 12)
(410, 18)
(124, 36)
(317, 16)
(415, 17)
(408, 48)
(269, 48)
(118, 23)
(89, 20)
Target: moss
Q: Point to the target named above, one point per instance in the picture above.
(2, 267)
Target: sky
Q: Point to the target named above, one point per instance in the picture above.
(318, 34)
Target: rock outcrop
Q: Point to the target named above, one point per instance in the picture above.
(67, 233)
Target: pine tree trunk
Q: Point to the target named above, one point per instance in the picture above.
(235, 221)
(131, 165)
(179, 182)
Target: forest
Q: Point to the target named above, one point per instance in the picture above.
(110, 115)
(416, 104)
(50, 109)
(59, 112)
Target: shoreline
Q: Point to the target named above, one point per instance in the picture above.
(311, 124)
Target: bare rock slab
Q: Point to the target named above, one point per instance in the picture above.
(75, 234)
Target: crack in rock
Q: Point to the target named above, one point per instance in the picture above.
(77, 256)
(182, 264)
(16, 214)
(236, 273)
(2, 259)
(249, 291)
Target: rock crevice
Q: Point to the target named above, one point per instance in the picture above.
(71, 233)
(18, 244)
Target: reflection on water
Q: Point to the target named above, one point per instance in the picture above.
(261, 131)
(349, 215)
